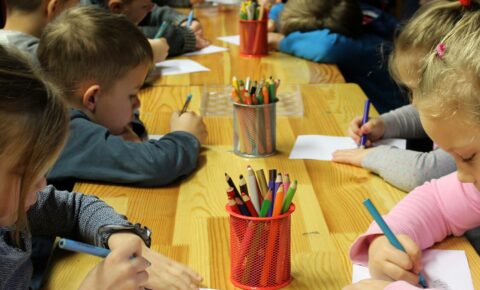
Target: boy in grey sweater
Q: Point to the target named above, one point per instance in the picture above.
(104, 145)
(35, 125)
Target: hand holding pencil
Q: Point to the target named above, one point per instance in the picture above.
(111, 273)
(393, 257)
(189, 122)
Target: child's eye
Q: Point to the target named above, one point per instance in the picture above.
(469, 159)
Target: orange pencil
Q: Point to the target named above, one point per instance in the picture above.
(248, 203)
(277, 206)
(266, 96)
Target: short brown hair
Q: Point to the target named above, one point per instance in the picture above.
(23, 5)
(91, 44)
(342, 16)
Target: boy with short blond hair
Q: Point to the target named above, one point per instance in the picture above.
(26, 20)
(100, 60)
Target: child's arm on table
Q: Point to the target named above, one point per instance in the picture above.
(427, 215)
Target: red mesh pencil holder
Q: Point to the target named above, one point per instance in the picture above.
(260, 251)
(253, 38)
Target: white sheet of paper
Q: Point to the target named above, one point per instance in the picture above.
(155, 137)
(226, 2)
(180, 66)
(233, 39)
(320, 147)
(207, 50)
(444, 269)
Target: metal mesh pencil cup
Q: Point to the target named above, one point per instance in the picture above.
(254, 129)
(260, 251)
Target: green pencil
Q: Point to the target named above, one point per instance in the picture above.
(267, 202)
(289, 196)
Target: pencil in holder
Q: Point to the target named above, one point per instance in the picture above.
(260, 250)
(253, 38)
(254, 129)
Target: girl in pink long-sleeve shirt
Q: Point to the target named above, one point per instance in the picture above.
(448, 100)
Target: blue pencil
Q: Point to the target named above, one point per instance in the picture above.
(75, 246)
(388, 233)
(190, 18)
(366, 111)
(162, 29)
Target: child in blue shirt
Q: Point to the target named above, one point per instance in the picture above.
(332, 32)
(106, 140)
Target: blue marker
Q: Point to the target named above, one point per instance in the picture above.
(366, 111)
(162, 29)
(190, 18)
(75, 246)
(389, 234)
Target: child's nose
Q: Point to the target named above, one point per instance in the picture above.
(136, 103)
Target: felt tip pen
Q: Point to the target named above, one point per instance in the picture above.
(80, 247)
(190, 18)
(389, 234)
(161, 30)
(366, 111)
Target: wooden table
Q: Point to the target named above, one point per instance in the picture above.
(223, 21)
(189, 220)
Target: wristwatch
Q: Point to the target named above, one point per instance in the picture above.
(107, 230)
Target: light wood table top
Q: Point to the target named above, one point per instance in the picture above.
(191, 225)
(223, 21)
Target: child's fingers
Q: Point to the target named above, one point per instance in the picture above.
(141, 278)
(396, 273)
(139, 264)
(413, 251)
(197, 278)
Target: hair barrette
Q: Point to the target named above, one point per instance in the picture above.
(441, 48)
(465, 3)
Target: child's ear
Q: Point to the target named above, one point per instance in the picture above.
(51, 9)
(115, 6)
(90, 97)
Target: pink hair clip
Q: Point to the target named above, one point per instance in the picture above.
(465, 3)
(441, 48)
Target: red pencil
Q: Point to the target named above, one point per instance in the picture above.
(249, 204)
(232, 204)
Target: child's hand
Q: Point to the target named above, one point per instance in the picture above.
(160, 49)
(374, 128)
(195, 27)
(201, 42)
(368, 284)
(274, 40)
(350, 156)
(119, 270)
(189, 122)
(271, 25)
(168, 274)
(386, 262)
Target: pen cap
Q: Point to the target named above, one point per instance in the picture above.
(254, 130)
(253, 38)
(260, 250)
